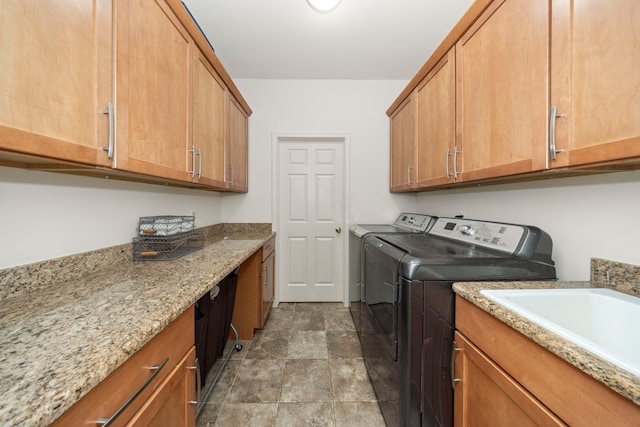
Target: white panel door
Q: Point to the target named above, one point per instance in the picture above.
(311, 188)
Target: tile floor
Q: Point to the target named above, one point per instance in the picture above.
(304, 368)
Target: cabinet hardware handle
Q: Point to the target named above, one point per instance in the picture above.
(109, 148)
(446, 160)
(231, 173)
(455, 162)
(200, 163)
(264, 282)
(409, 174)
(552, 132)
(454, 380)
(198, 380)
(105, 422)
(338, 230)
(193, 161)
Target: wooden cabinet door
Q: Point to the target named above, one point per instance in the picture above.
(208, 142)
(238, 146)
(595, 81)
(403, 146)
(153, 83)
(436, 125)
(486, 395)
(56, 78)
(268, 285)
(247, 306)
(502, 90)
(172, 404)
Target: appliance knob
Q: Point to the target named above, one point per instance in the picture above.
(467, 230)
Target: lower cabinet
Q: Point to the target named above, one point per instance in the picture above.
(255, 291)
(155, 386)
(502, 378)
(268, 278)
(487, 395)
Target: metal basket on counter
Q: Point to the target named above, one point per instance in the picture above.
(167, 248)
(167, 225)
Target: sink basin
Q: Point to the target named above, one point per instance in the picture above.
(601, 321)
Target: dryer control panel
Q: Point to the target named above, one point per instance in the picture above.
(417, 223)
(503, 237)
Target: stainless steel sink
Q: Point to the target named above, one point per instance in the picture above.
(601, 321)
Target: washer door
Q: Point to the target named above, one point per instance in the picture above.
(381, 261)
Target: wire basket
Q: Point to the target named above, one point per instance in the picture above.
(167, 225)
(167, 248)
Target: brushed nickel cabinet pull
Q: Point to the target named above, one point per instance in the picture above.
(446, 160)
(552, 132)
(193, 161)
(454, 380)
(199, 385)
(455, 162)
(109, 148)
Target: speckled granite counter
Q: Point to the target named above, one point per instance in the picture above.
(623, 382)
(60, 340)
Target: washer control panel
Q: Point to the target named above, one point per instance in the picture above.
(415, 222)
(503, 237)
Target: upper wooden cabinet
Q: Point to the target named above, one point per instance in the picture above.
(438, 153)
(55, 63)
(153, 83)
(539, 86)
(238, 146)
(502, 86)
(403, 146)
(134, 87)
(595, 58)
(208, 144)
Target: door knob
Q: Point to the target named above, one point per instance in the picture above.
(338, 230)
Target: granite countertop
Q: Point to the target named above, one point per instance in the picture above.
(621, 381)
(58, 342)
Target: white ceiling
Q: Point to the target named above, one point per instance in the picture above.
(361, 39)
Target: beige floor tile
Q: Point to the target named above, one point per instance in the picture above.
(248, 414)
(279, 320)
(310, 320)
(358, 414)
(222, 387)
(257, 381)
(269, 344)
(338, 320)
(350, 381)
(306, 380)
(307, 345)
(305, 414)
(309, 306)
(343, 344)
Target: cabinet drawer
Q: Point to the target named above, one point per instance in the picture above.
(166, 349)
(268, 247)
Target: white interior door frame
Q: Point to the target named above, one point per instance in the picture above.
(276, 139)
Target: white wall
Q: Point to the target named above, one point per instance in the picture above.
(317, 107)
(46, 215)
(587, 217)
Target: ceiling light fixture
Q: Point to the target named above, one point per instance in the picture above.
(323, 6)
